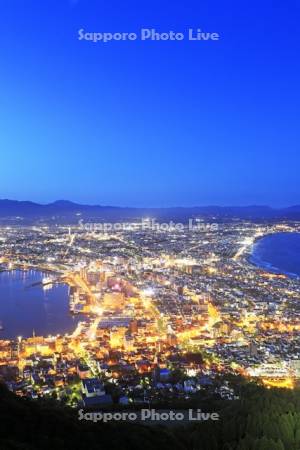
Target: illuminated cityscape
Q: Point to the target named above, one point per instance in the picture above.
(162, 313)
(149, 225)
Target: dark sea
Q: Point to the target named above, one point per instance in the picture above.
(279, 253)
(24, 308)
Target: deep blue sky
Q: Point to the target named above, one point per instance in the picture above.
(150, 123)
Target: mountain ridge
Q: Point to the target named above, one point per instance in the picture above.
(64, 210)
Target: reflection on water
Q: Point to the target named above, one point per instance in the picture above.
(24, 309)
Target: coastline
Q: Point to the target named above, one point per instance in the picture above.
(260, 264)
(39, 283)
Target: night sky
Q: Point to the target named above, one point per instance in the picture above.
(150, 123)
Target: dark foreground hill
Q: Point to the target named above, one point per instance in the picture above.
(262, 420)
(43, 425)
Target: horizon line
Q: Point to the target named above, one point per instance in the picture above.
(209, 205)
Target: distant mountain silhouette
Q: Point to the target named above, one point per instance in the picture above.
(63, 211)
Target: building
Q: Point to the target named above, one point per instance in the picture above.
(92, 387)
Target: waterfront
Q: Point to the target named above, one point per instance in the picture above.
(24, 308)
(140, 294)
(279, 253)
